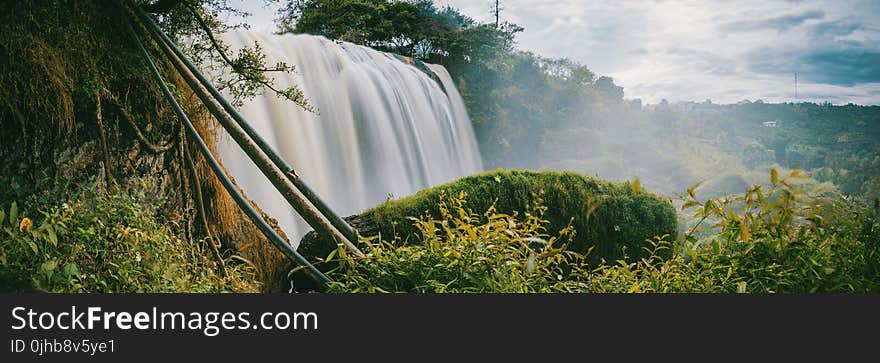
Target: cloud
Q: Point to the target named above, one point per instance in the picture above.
(844, 52)
(779, 23)
(832, 29)
(704, 61)
(693, 50)
(846, 66)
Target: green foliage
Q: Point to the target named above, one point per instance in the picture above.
(109, 243)
(195, 24)
(415, 28)
(466, 252)
(756, 155)
(611, 219)
(782, 239)
(60, 57)
(34, 26)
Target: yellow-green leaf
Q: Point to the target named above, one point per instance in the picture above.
(635, 288)
(798, 173)
(744, 232)
(689, 204)
(49, 265)
(13, 214)
(331, 254)
(52, 236)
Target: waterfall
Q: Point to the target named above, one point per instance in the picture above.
(382, 128)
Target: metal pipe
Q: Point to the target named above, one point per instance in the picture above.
(255, 217)
(272, 172)
(276, 159)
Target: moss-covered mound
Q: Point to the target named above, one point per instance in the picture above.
(623, 216)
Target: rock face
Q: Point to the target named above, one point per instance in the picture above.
(614, 219)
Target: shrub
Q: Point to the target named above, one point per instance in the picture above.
(104, 242)
(786, 238)
(778, 239)
(465, 252)
(612, 219)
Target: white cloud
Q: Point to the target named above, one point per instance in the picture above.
(694, 50)
(721, 50)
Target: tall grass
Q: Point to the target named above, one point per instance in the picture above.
(771, 239)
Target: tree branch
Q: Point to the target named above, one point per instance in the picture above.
(216, 44)
(161, 6)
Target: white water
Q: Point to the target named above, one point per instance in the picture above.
(383, 127)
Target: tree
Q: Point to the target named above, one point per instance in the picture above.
(606, 86)
(413, 28)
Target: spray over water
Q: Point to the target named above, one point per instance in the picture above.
(383, 127)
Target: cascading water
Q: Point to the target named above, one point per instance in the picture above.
(383, 127)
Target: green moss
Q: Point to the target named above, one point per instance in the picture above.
(623, 216)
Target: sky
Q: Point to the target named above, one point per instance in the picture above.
(722, 50)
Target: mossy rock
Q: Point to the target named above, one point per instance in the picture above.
(626, 216)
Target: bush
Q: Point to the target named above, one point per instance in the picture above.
(102, 242)
(612, 219)
(781, 239)
(465, 252)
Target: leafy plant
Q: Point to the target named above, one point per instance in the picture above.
(466, 252)
(98, 242)
(782, 239)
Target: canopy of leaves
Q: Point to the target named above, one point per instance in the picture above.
(414, 28)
